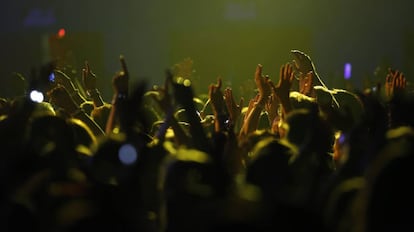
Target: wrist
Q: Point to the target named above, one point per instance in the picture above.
(93, 92)
(119, 97)
(95, 95)
(222, 121)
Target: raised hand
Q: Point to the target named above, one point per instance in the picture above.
(305, 72)
(63, 79)
(120, 81)
(283, 87)
(302, 62)
(233, 108)
(251, 118)
(89, 82)
(163, 98)
(184, 96)
(279, 103)
(262, 83)
(120, 84)
(395, 83)
(184, 69)
(216, 97)
(218, 104)
(88, 77)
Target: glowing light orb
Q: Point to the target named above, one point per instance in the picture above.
(61, 33)
(127, 154)
(347, 71)
(36, 96)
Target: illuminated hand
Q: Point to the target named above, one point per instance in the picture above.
(216, 98)
(305, 72)
(302, 62)
(88, 77)
(233, 109)
(62, 78)
(395, 83)
(262, 83)
(184, 69)
(120, 81)
(282, 89)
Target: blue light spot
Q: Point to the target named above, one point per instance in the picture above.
(52, 77)
(127, 154)
(347, 71)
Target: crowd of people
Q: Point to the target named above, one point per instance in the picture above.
(298, 156)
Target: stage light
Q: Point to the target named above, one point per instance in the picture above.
(61, 33)
(36, 96)
(127, 154)
(347, 71)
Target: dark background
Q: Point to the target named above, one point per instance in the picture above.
(223, 37)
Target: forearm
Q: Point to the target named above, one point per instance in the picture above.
(117, 99)
(110, 123)
(271, 115)
(220, 122)
(285, 104)
(252, 120)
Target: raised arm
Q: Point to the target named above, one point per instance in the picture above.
(256, 106)
(183, 94)
(89, 82)
(64, 80)
(306, 73)
(60, 97)
(120, 84)
(395, 83)
(283, 87)
(218, 106)
(164, 99)
(233, 108)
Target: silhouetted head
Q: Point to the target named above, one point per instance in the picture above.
(308, 131)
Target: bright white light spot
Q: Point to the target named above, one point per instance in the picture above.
(127, 154)
(36, 96)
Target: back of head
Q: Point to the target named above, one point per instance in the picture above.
(342, 108)
(400, 110)
(51, 129)
(308, 131)
(269, 166)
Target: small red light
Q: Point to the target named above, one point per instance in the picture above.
(61, 33)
